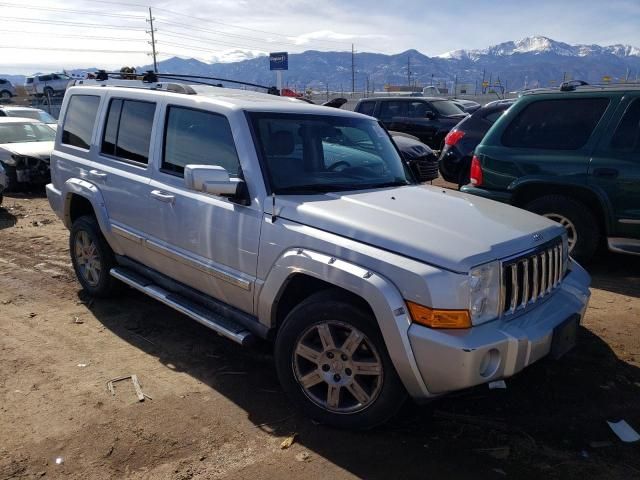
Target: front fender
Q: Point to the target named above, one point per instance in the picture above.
(383, 297)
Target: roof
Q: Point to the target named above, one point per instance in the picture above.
(18, 120)
(622, 87)
(18, 107)
(230, 98)
(406, 97)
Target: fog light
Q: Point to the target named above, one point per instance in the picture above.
(490, 363)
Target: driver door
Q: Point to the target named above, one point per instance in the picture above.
(205, 241)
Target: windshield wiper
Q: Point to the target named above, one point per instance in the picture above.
(396, 183)
(312, 188)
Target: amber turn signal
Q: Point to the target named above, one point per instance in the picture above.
(433, 318)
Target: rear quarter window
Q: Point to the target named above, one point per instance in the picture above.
(558, 124)
(80, 120)
(367, 108)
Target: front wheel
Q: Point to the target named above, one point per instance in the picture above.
(5, 95)
(583, 232)
(333, 363)
(91, 256)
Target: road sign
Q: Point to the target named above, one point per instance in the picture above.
(279, 61)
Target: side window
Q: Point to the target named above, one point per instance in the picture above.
(627, 136)
(127, 133)
(367, 108)
(389, 110)
(418, 110)
(493, 116)
(44, 78)
(555, 124)
(79, 120)
(197, 137)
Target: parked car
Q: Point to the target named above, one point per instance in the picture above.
(238, 210)
(48, 85)
(573, 155)
(3, 182)
(422, 161)
(7, 90)
(468, 106)
(25, 151)
(455, 157)
(29, 112)
(427, 118)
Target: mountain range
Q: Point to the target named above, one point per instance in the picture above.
(530, 62)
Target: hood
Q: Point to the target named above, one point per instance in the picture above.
(41, 150)
(445, 228)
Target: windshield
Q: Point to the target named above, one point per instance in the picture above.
(314, 153)
(446, 108)
(34, 114)
(25, 132)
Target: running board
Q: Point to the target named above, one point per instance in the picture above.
(629, 246)
(221, 325)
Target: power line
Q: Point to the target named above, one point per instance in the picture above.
(67, 10)
(66, 23)
(85, 50)
(207, 40)
(64, 35)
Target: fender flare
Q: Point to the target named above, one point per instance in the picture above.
(87, 190)
(383, 297)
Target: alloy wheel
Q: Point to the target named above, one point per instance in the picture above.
(338, 367)
(572, 233)
(87, 258)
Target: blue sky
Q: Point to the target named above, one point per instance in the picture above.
(56, 34)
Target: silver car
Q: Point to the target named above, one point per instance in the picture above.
(29, 112)
(7, 90)
(47, 85)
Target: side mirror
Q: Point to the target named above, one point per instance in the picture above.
(211, 179)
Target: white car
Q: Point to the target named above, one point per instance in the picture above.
(47, 85)
(25, 151)
(29, 112)
(3, 182)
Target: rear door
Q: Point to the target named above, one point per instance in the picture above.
(615, 167)
(392, 114)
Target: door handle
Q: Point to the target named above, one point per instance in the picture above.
(163, 196)
(605, 172)
(97, 175)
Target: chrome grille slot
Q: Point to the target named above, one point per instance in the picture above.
(532, 276)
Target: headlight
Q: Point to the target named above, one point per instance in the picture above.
(484, 292)
(13, 160)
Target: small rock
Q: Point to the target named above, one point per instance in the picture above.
(41, 474)
(302, 456)
(32, 314)
(202, 457)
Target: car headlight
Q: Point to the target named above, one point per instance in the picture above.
(484, 292)
(13, 160)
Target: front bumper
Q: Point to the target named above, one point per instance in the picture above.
(497, 195)
(451, 360)
(32, 171)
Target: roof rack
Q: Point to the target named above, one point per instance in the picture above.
(152, 80)
(582, 86)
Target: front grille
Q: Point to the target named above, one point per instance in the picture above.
(427, 169)
(533, 276)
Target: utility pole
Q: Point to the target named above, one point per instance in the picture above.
(153, 42)
(353, 70)
(409, 70)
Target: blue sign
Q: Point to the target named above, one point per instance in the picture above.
(279, 61)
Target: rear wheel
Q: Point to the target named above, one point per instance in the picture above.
(581, 225)
(92, 257)
(332, 362)
(48, 92)
(5, 95)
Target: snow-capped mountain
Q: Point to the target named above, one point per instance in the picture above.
(538, 45)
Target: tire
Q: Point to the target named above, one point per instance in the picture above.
(48, 92)
(378, 391)
(92, 258)
(12, 178)
(5, 95)
(576, 217)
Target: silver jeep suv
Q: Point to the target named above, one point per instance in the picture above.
(263, 217)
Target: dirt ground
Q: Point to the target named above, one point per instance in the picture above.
(216, 410)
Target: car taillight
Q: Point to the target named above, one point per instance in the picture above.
(453, 137)
(476, 171)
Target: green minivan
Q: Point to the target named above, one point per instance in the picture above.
(573, 155)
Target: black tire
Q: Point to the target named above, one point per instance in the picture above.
(587, 230)
(337, 307)
(12, 179)
(48, 92)
(5, 95)
(105, 285)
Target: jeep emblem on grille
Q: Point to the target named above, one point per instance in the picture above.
(538, 237)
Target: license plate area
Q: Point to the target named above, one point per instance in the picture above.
(564, 337)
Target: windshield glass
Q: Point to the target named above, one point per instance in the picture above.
(25, 132)
(34, 114)
(313, 153)
(446, 107)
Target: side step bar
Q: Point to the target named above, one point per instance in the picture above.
(629, 246)
(221, 325)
